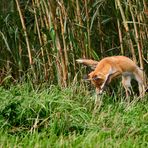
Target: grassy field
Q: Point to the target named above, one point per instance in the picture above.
(55, 117)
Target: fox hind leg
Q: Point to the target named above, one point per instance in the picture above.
(126, 81)
(140, 79)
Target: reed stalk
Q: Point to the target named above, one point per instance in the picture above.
(127, 30)
(63, 69)
(25, 32)
(119, 32)
(63, 23)
(136, 35)
(80, 24)
(34, 4)
(50, 70)
(88, 47)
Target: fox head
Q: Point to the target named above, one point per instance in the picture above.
(97, 79)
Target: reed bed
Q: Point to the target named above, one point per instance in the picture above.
(41, 39)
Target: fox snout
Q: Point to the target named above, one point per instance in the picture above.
(96, 81)
(99, 91)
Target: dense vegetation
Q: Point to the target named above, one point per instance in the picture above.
(42, 38)
(43, 101)
(55, 117)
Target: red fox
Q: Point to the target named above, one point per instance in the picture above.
(111, 67)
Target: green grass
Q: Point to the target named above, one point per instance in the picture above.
(55, 117)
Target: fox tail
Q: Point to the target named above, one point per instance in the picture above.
(87, 62)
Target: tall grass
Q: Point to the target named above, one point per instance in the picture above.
(41, 39)
(55, 117)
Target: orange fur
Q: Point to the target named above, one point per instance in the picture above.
(111, 67)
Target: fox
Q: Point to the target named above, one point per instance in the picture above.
(109, 68)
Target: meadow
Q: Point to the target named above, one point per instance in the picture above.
(66, 117)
